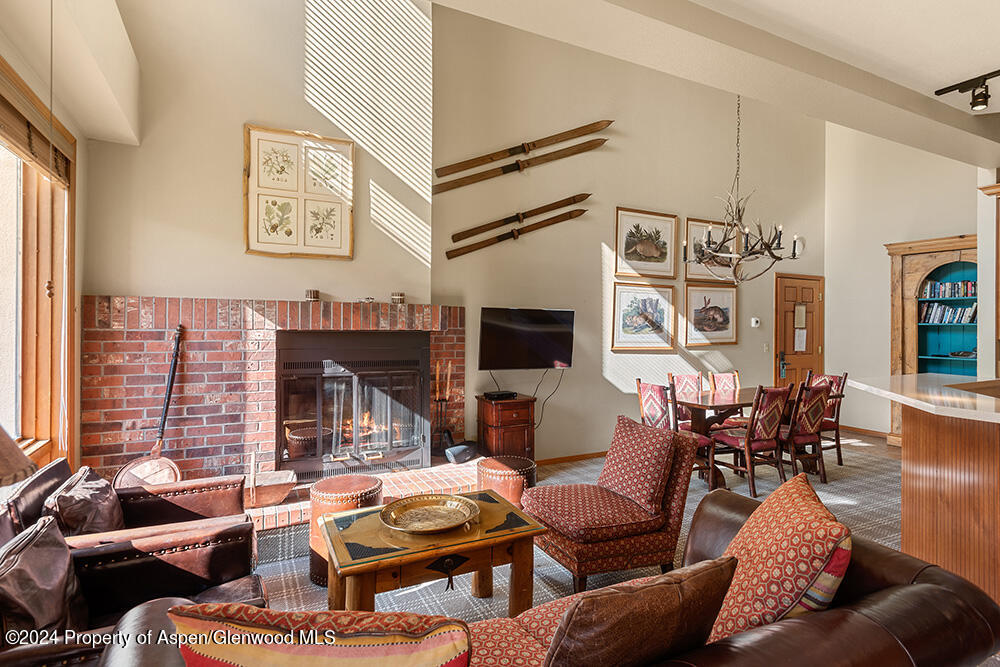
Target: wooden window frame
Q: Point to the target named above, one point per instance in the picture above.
(46, 432)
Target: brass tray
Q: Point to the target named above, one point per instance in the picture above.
(429, 513)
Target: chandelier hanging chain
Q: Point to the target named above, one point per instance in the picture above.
(724, 258)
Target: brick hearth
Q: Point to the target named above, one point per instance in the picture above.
(223, 406)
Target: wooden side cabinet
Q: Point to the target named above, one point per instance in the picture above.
(507, 428)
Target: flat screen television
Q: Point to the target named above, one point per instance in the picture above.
(519, 338)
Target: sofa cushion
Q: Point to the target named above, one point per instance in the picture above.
(638, 463)
(636, 623)
(589, 513)
(38, 585)
(342, 637)
(792, 555)
(84, 504)
(503, 642)
(26, 500)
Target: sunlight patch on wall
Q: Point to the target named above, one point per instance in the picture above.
(400, 223)
(368, 70)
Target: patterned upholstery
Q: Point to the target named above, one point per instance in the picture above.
(361, 638)
(725, 382)
(836, 384)
(770, 408)
(588, 513)
(735, 437)
(502, 642)
(653, 548)
(685, 384)
(783, 551)
(735, 422)
(638, 463)
(799, 438)
(654, 404)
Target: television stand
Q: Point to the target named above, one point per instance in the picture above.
(507, 427)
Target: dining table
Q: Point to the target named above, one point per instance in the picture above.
(709, 408)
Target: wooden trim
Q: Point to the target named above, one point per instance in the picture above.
(7, 71)
(864, 431)
(656, 214)
(990, 190)
(960, 242)
(673, 318)
(71, 369)
(571, 459)
(776, 333)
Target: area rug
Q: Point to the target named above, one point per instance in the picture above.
(864, 493)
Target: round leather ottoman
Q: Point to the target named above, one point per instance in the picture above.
(507, 475)
(336, 494)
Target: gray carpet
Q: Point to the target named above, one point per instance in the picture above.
(864, 494)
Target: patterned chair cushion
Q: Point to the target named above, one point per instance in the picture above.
(734, 437)
(792, 554)
(653, 400)
(503, 642)
(627, 553)
(734, 422)
(589, 513)
(638, 463)
(800, 438)
(828, 425)
(342, 637)
(836, 384)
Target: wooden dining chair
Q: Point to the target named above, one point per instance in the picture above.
(830, 431)
(757, 444)
(727, 382)
(685, 383)
(803, 431)
(658, 408)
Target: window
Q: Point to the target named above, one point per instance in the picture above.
(10, 290)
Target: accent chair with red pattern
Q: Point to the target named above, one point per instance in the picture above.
(632, 517)
(758, 443)
(830, 432)
(727, 382)
(803, 430)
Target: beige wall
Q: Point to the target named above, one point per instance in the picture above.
(168, 214)
(878, 192)
(671, 149)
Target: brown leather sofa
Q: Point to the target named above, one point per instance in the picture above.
(212, 563)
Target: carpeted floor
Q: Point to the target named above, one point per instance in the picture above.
(864, 494)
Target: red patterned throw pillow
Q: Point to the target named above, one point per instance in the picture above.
(638, 463)
(217, 635)
(792, 554)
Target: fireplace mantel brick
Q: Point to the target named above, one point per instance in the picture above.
(223, 403)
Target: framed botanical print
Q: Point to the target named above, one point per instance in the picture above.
(696, 233)
(298, 194)
(644, 317)
(710, 315)
(645, 243)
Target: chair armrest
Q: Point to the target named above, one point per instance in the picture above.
(116, 577)
(182, 501)
(149, 616)
(165, 529)
(46, 655)
(719, 516)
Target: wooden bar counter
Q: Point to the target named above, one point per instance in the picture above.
(950, 470)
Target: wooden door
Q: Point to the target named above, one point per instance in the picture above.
(798, 330)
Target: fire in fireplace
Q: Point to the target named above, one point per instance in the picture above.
(352, 402)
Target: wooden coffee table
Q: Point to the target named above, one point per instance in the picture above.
(367, 558)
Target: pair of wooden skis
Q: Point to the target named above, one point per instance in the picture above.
(517, 231)
(520, 165)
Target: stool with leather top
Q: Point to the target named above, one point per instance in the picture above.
(507, 475)
(336, 494)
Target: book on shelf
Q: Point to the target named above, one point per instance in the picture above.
(949, 290)
(939, 313)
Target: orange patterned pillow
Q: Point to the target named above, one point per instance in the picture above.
(792, 554)
(217, 635)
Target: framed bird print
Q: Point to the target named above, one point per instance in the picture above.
(645, 243)
(644, 317)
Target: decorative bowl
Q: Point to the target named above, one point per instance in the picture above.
(429, 513)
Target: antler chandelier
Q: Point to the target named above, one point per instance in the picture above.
(732, 255)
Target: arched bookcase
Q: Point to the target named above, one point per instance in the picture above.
(946, 320)
(913, 263)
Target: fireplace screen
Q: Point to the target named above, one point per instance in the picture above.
(347, 416)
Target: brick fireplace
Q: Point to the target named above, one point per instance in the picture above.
(224, 404)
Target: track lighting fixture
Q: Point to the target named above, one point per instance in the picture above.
(980, 91)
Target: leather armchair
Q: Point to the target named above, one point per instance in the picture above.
(213, 563)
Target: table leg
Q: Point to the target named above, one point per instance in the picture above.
(360, 592)
(336, 592)
(522, 572)
(482, 582)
